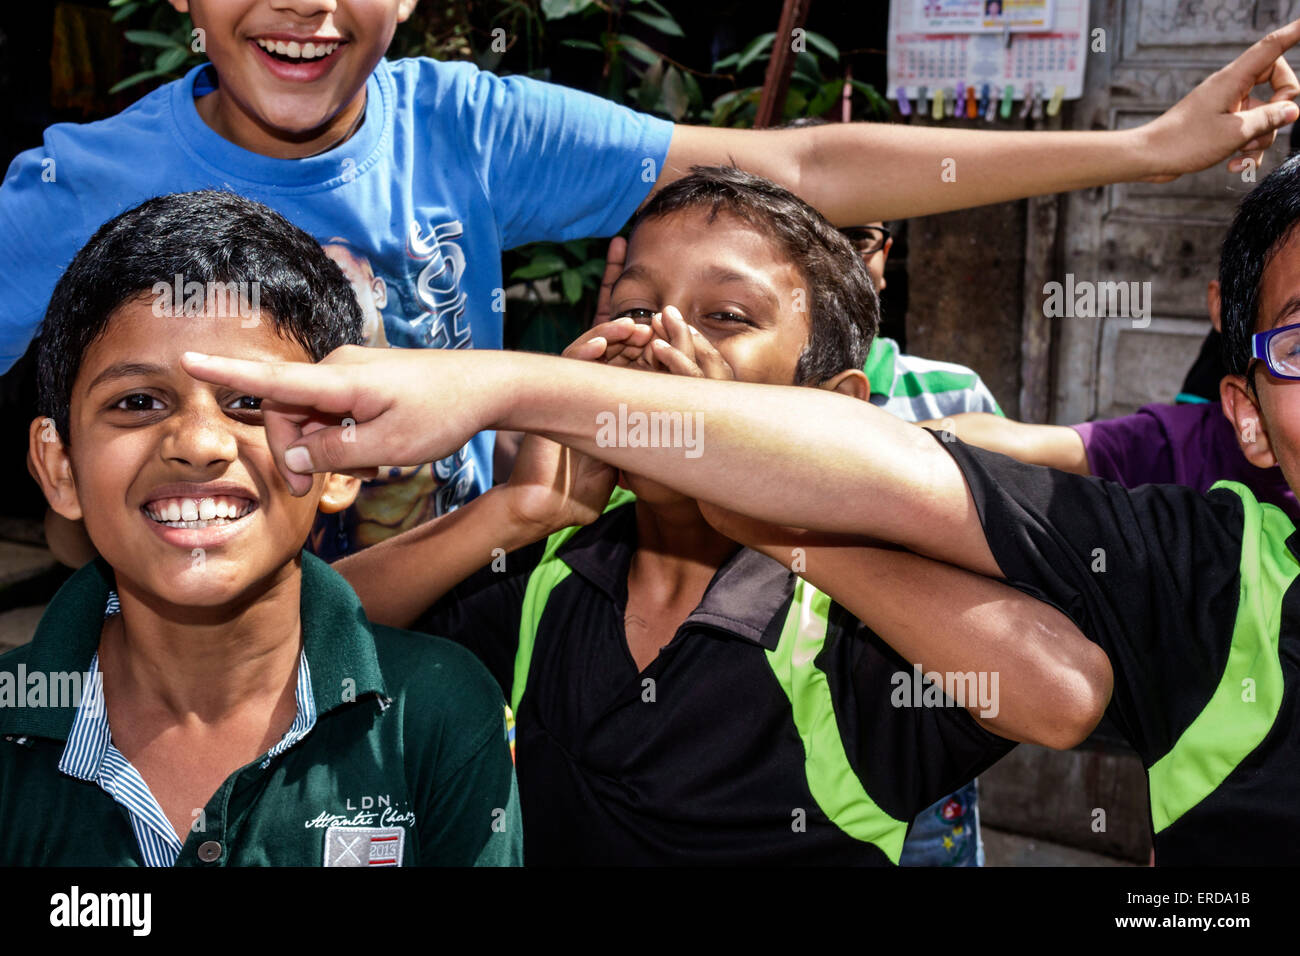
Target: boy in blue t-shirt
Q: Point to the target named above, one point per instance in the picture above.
(428, 170)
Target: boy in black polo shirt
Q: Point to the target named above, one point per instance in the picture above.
(683, 700)
(224, 700)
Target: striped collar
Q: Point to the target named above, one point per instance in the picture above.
(879, 367)
(336, 637)
(90, 755)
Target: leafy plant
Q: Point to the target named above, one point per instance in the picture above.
(170, 33)
(812, 91)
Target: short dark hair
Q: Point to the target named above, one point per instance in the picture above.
(205, 237)
(842, 306)
(1264, 222)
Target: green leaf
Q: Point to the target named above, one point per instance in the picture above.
(577, 248)
(638, 50)
(582, 45)
(132, 80)
(795, 104)
(593, 269)
(825, 98)
(656, 5)
(126, 8)
(169, 60)
(651, 86)
(693, 92)
(151, 38)
(823, 44)
(675, 99)
(808, 63)
(758, 47)
(665, 25)
(543, 265)
(726, 63)
(559, 9)
(571, 281)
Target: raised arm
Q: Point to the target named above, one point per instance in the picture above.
(1055, 446)
(788, 455)
(862, 172)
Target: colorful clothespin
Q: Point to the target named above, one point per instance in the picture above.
(1029, 100)
(1008, 94)
(984, 98)
(970, 102)
(961, 94)
(949, 102)
(1037, 111)
(936, 111)
(1054, 106)
(904, 104)
(922, 101)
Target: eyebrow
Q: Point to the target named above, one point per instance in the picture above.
(125, 370)
(716, 274)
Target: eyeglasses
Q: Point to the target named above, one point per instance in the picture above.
(1279, 349)
(868, 240)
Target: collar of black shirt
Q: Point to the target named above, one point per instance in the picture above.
(747, 597)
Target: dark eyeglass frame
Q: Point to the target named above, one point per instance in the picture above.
(876, 235)
(1259, 347)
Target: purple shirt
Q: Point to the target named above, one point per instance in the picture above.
(1192, 445)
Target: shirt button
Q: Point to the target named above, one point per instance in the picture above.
(210, 851)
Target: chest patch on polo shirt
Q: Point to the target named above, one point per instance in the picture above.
(364, 846)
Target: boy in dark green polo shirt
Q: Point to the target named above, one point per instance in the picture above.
(206, 693)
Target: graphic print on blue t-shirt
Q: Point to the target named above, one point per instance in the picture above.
(451, 166)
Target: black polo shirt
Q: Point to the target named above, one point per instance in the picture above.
(699, 758)
(1194, 599)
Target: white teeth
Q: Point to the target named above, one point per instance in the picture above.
(173, 512)
(207, 509)
(189, 509)
(299, 51)
(222, 511)
(198, 512)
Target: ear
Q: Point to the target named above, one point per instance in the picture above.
(379, 290)
(852, 382)
(47, 458)
(1212, 304)
(339, 493)
(181, 6)
(1242, 410)
(405, 9)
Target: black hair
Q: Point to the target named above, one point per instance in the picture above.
(1264, 222)
(842, 306)
(219, 240)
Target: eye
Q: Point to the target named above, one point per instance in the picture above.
(138, 402)
(246, 403)
(635, 314)
(730, 318)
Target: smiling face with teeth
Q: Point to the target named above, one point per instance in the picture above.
(166, 470)
(292, 73)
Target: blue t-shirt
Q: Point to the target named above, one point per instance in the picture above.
(451, 166)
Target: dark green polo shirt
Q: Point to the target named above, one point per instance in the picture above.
(407, 759)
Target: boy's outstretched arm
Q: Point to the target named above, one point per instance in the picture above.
(1054, 446)
(784, 454)
(862, 172)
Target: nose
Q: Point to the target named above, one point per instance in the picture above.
(200, 437)
(305, 8)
